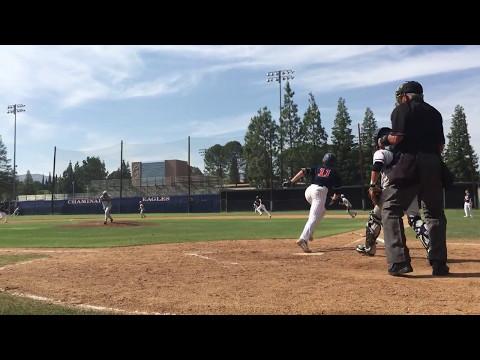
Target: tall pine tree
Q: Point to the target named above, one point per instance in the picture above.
(313, 134)
(5, 172)
(459, 154)
(290, 131)
(259, 148)
(343, 145)
(368, 129)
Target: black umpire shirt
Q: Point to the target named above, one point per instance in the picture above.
(324, 176)
(421, 126)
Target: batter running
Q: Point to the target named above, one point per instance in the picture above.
(324, 179)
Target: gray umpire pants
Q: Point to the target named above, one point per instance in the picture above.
(396, 199)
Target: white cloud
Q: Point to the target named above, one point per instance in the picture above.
(219, 126)
(374, 70)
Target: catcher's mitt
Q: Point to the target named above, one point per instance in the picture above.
(374, 193)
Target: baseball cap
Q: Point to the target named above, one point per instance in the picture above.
(413, 87)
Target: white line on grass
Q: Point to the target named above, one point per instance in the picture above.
(79, 306)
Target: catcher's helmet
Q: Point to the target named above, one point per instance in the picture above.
(382, 132)
(328, 159)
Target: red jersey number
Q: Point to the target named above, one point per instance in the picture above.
(324, 172)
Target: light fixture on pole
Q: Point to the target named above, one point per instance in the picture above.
(13, 109)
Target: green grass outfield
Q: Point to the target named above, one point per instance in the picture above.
(56, 231)
(62, 230)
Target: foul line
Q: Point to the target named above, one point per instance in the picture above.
(80, 306)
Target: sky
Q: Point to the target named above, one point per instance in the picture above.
(86, 99)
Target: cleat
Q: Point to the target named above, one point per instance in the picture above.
(303, 244)
(363, 249)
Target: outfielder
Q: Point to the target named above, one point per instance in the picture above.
(259, 207)
(382, 160)
(142, 209)
(467, 207)
(107, 206)
(324, 178)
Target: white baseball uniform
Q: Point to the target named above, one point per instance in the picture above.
(107, 206)
(259, 207)
(3, 215)
(467, 207)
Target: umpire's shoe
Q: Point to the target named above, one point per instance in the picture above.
(398, 269)
(440, 269)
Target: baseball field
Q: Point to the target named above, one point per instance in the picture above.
(235, 263)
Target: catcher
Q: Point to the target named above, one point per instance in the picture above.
(382, 160)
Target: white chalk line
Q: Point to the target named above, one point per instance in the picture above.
(20, 263)
(57, 302)
(209, 258)
(79, 306)
(353, 242)
(76, 250)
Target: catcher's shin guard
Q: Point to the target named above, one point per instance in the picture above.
(421, 231)
(372, 230)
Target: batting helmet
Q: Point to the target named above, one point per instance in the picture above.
(328, 159)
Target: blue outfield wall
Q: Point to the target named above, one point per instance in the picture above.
(172, 204)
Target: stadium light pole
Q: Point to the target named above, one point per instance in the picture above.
(278, 76)
(13, 109)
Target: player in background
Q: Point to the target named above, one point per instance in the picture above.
(468, 202)
(259, 206)
(142, 209)
(324, 179)
(3, 213)
(348, 205)
(106, 201)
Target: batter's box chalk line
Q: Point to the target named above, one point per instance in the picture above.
(209, 258)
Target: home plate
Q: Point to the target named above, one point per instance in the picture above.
(309, 254)
(380, 241)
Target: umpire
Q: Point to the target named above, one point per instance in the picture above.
(417, 134)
